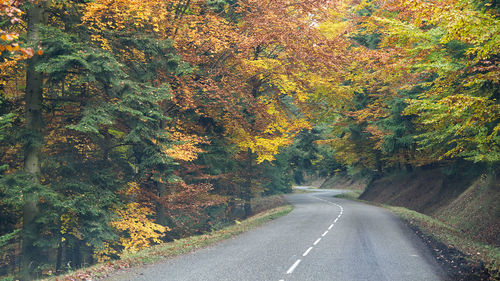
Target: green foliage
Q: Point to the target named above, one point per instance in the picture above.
(5, 239)
(226, 8)
(457, 115)
(459, 126)
(107, 129)
(5, 122)
(307, 157)
(277, 176)
(369, 40)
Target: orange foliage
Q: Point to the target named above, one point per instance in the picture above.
(11, 51)
(186, 147)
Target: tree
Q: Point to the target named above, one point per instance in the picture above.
(455, 45)
(36, 16)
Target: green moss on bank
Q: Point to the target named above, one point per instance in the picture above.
(475, 251)
(351, 195)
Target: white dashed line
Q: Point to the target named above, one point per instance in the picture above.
(292, 268)
(307, 252)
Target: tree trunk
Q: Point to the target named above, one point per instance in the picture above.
(247, 206)
(247, 192)
(76, 260)
(161, 214)
(59, 257)
(162, 188)
(34, 123)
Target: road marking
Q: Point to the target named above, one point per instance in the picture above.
(307, 252)
(292, 268)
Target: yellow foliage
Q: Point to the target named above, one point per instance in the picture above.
(333, 29)
(139, 228)
(132, 188)
(69, 225)
(187, 149)
(278, 133)
(103, 254)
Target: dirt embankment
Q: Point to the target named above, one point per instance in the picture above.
(313, 180)
(343, 181)
(467, 201)
(465, 205)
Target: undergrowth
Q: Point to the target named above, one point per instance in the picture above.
(174, 248)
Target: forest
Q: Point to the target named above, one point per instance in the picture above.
(127, 123)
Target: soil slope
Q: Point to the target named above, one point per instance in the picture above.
(467, 201)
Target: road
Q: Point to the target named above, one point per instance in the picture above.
(323, 238)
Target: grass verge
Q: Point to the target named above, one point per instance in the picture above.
(351, 195)
(174, 248)
(463, 257)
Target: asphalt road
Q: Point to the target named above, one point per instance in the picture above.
(323, 238)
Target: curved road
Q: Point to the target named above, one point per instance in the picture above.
(323, 238)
